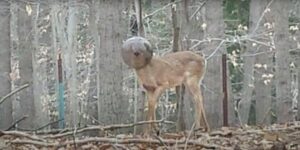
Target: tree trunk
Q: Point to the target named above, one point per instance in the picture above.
(39, 73)
(47, 69)
(262, 88)
(93, 22)
(112, 106)
(6, 107)
(213, 76)
(282, 58)
(295, 53)
(70, 60)
(23, 52)
(183, 32)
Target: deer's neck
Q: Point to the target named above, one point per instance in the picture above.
(148, 74)
(146, 71)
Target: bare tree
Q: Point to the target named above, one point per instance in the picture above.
(6, 106)
(21, 27)
(297, 54)
(262, 75)
(39, 64)
(112, 106)
(280, 12)
(248, 82)
(184, 117)
(70, 62)
(188, 22)
(214, 27)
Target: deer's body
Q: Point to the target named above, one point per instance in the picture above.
(171, 70)
(156, 74)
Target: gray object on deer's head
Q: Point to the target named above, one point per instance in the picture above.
(136, 52)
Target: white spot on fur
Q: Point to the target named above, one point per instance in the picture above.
(187, 73)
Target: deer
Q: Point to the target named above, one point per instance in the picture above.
(157, 74)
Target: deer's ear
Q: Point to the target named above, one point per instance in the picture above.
(148, 47)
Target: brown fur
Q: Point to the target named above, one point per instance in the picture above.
(173, 70)
(156, 74)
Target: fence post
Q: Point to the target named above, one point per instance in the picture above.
(61, 100)
(225, 92)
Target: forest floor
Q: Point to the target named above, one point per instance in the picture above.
(274, 137)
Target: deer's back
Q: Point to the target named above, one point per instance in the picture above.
(175, 68)
(186, 60)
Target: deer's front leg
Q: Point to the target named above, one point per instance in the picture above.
(152, 96)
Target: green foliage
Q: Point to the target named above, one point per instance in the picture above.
(236, 12)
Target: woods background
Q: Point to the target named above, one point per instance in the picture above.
(259, 37)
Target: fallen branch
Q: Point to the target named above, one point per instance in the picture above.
(54, 131)
(20, 134)
(16, 122)
(48, 124)
(105, 128)
(120, 141)
(13, 92)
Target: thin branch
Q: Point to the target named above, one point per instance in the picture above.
(215, 51)
(261, 43)
(191, 131)
(261, 17)
(203, 41)
(16, 122)
(160, 9)
(267, 113)
(105, 128)
(256, 54)
(13, 92)
(48, 124)
(198, 9)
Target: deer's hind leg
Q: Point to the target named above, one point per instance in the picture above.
(200, 116)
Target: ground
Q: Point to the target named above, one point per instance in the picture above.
(283, 136)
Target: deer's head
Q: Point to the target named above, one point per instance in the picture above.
(136, 52)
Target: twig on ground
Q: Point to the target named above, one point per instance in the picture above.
(21, 134)
(110, 127)
(48, 124)
(191, 131)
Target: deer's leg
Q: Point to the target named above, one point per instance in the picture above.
(152, 97)
(200, 116)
